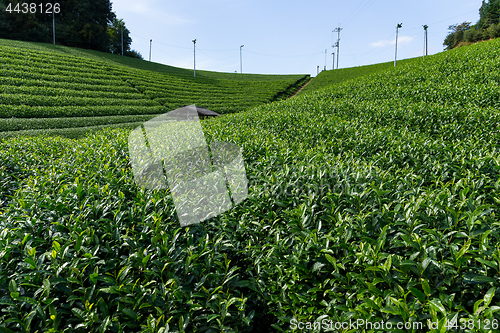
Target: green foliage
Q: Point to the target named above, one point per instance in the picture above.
(24, 111)
(488, 27)
(458, 33)
(134, 54)
(327, 78)
(26, 26)
(66, 132)
(84, 23)
(375, 199)
(489, 14)
(493, 31)
(115, 32)
(23, 124)
(39, 81)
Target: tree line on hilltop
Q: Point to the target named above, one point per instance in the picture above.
(486, 28)
(89, 24)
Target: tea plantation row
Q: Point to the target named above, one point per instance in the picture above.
(375, 199)
(47, 83)
(327, 78)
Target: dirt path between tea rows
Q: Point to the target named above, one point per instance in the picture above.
(310, 79)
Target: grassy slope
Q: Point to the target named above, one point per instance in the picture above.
(327, 78)
(373, 199)
(44, 82)
(137, 63)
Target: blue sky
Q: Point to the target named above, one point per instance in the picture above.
(287, 37)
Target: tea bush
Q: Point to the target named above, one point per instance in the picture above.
(41, 81)
(329, 77)
(374, 199)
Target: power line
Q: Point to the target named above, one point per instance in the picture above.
(285, 56)
(448, 19)
(315, 54)
(356, 60)
(232, 50)
(376, 50)
(472, 11)
(367, 5)
(167, 53)
(355, 9)
(203, 51)
(352, 14)
(372, 52)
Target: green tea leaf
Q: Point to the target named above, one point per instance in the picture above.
(437, 305)
(418, 294)
(489, 296)
(425, 287)
(331, 260)
(12, 286)
(463, 250)
(130, 313)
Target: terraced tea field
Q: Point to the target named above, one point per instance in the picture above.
(47, 89)
(327, 78)
(375, 199)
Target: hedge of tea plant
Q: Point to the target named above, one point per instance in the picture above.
(38, 81)
(375, 199)
(329, 77)
(219, 95)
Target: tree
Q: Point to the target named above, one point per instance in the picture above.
(134, 54)
(80, 23)
(29, 27)
(456, 35)
(493, 31)
(85, 23)
(487, 27)
(489, 14)
(115, 37)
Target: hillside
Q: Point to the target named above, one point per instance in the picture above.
(374, 200)
(59, 90)
(330, 77)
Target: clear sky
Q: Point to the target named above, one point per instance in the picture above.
(287, 37)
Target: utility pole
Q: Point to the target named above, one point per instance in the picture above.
(317, 70)
(425, 40)
(400, 25)
(337, 46)
(337, 30)
(150, 43)
(241, 60)
(325, 59)
(333, 46)
(122, 40)
(194, 50)
(54, 26)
